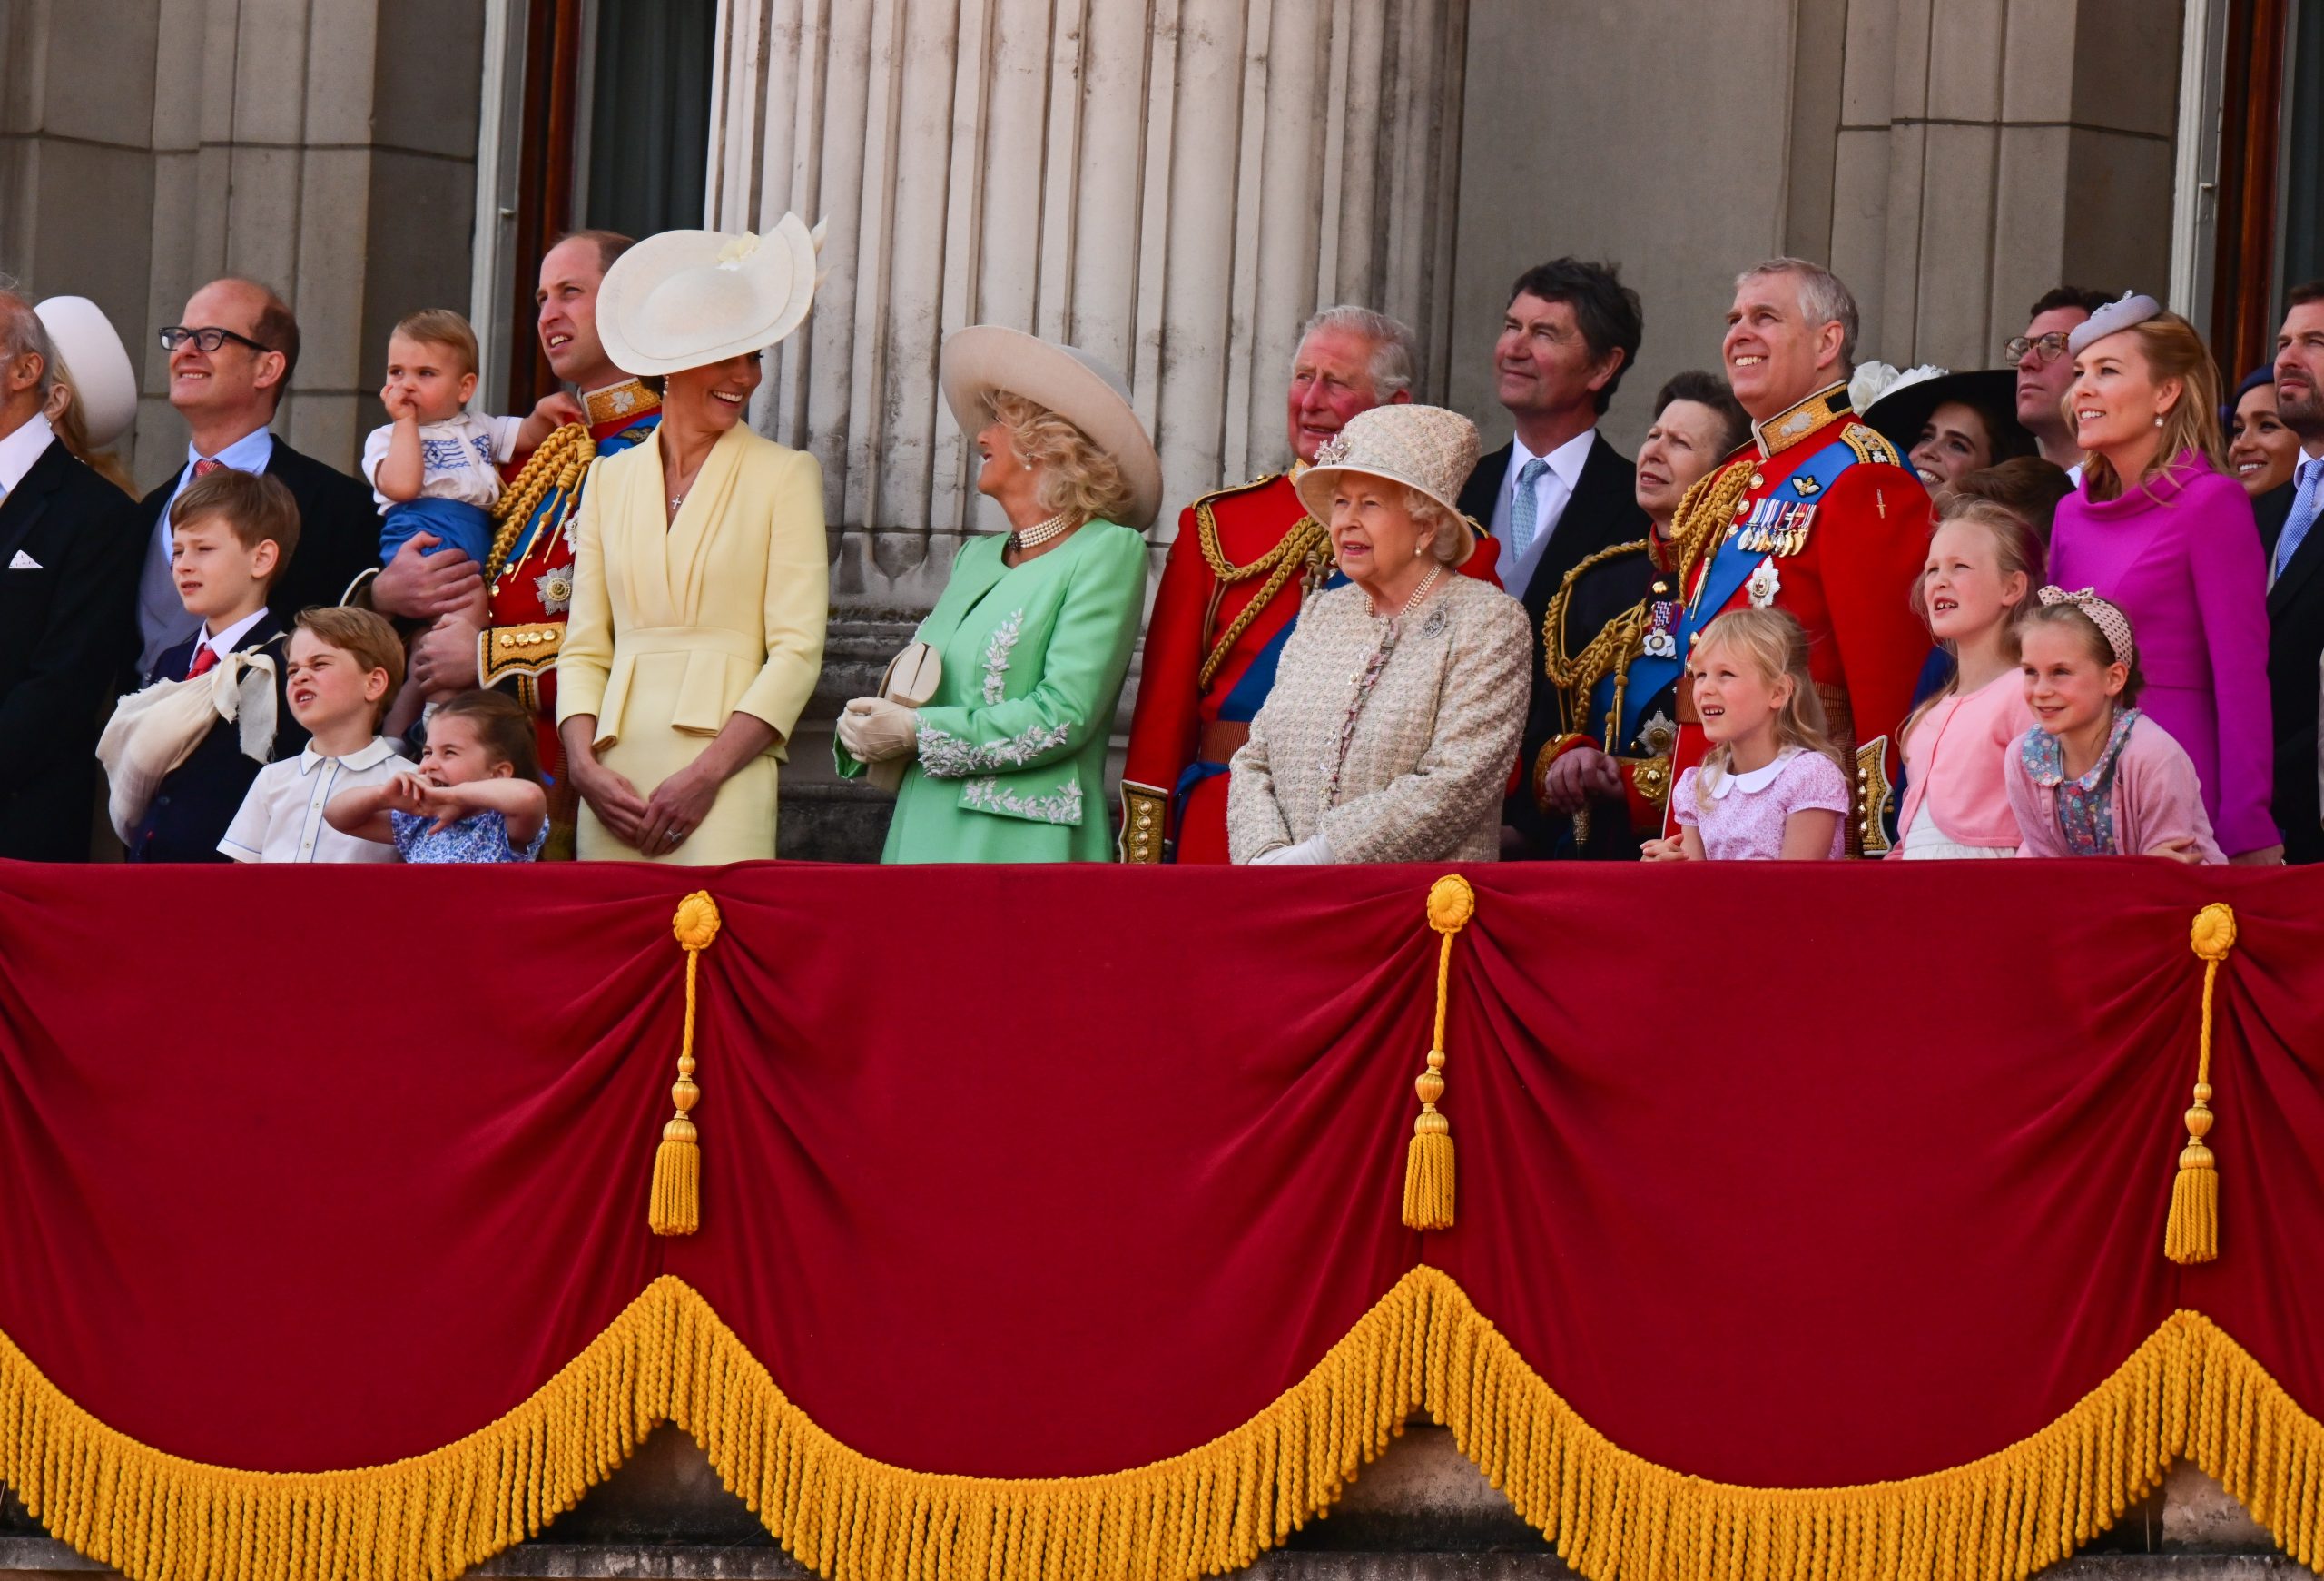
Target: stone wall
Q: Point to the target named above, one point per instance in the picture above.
(328, 150)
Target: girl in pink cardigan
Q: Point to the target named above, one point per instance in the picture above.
(1983, 563)
(2096, 778)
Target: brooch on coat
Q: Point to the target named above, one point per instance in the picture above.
(1764, 585)
(1659, 643)
(1434, 624)
(556, 586)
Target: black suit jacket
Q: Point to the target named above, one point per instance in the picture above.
(199, 798)
(68, 627)
(338, 530)
(2295, 647)
(1602, 512)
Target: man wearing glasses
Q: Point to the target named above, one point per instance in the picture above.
(231, 358)
(2044, 370)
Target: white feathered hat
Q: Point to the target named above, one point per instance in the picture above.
(96, 365)
(685, 298)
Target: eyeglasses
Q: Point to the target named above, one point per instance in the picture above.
(209, 338)
(2051, 347)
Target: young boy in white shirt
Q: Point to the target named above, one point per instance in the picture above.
(344, 667)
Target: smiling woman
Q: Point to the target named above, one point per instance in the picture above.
(699, 584)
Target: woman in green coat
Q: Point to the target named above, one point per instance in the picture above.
(1035, 630)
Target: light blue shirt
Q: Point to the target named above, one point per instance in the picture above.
(162, 621)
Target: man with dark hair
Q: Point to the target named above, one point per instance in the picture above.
(68, 591)
(2044, 370)
(230, 359)
(1557, 492)
(2287, 517)
(528, 574)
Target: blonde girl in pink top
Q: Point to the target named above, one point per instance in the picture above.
(1983, 564)
(1770, 789)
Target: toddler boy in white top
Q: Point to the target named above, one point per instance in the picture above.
(342, 670)
(435, 468)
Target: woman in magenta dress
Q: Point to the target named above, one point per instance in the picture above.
(2161, 529)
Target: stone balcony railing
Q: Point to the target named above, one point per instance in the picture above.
(1420, 1513)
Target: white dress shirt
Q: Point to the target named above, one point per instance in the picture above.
(281, 818)
(162, 621)
(20, 450)
(1552, 492)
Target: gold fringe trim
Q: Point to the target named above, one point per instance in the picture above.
(2188, 1390)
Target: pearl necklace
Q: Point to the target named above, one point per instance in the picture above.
(1040, 533)
(1418, 593)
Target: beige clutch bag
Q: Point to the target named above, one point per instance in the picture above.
(911, 679)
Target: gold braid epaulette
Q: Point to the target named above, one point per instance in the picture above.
(555, 468)
(1307, 545)
(1616, 643)
(1705, 515)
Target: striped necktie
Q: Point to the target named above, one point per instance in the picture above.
(1523, 506)
(2302, 515)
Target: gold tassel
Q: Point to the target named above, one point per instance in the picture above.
(1428, 1160)
(2192, 1235)
(676, 1206)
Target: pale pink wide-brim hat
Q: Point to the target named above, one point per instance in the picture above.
(685, 298)
(986, 359)
(96, 365)
(1425, 447)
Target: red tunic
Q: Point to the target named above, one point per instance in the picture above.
(1849, 584)
(1230, 555)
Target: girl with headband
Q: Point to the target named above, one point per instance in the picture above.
(2095, 777)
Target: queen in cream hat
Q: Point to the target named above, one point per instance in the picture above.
(682, 299)
(1426, 448)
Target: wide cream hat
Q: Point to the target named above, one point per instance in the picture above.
(1425, 446)
(96, 365)
(684, 298)
(986, 358)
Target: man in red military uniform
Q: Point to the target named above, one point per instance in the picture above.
(1817, 516)
(1245, 559)
(529, 575)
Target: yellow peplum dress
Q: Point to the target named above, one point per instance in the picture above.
(674, 628)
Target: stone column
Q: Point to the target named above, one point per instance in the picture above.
(1173, 185)
(326, 150)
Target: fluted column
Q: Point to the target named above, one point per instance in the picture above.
(1171, 184)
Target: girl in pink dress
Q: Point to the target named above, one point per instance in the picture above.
(1770, 789)
(2095, 777)
(1983, 564)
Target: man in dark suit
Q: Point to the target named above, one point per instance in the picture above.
(2287, 517)
(1557, 492)
(231, 358)
(68, 580)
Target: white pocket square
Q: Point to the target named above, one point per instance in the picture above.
(23, 562)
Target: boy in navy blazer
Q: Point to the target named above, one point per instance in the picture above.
(231, 533)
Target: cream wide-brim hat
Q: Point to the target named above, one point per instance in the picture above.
(682, 298)
(96, 365)
(984, 359)
(1425, 447)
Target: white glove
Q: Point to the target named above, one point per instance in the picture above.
(1313, 852)
(875, 730)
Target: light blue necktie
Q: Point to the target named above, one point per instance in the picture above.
(2303, 513)
(1522, 507)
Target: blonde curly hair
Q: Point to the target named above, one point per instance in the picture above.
(1078, 480)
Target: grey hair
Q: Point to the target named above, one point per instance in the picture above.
(1426, 512)
(22, 333)
(1396, 350)
(1823, 298)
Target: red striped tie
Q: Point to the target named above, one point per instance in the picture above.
(205, 465)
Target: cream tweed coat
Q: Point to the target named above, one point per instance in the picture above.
(1429, 757)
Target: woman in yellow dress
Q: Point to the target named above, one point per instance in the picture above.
(701, 579)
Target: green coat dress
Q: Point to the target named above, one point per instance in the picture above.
(1011, 765)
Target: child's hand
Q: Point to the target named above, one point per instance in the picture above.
(2179, 848)
(407, 792)
(552, 412)
(401, 403)
(444, 803)
(1674, 849)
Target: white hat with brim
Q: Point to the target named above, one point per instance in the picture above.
(986, 359)
(684, 299)
(96, 365)
(1427, 447)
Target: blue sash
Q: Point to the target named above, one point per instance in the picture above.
(1795, 499)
